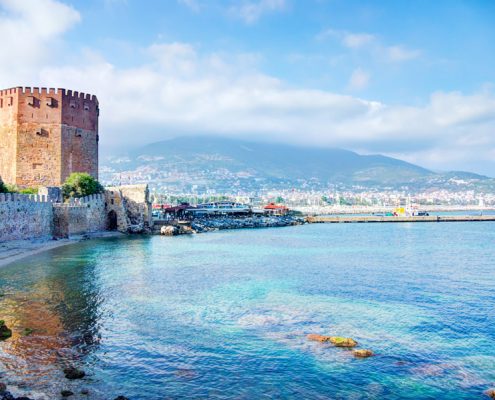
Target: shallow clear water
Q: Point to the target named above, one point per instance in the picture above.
(225, 314)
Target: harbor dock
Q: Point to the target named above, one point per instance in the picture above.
(374, 219)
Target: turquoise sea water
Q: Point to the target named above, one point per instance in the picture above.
(226, 314)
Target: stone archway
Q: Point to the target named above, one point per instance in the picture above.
(112, 221)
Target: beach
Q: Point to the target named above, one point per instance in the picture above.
(15, 250)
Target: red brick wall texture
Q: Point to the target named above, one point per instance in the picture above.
(46, 134)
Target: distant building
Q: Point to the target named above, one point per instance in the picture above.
(276, 209)
(46, 134)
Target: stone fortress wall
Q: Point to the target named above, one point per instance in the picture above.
(25, 217)
(80, 216)
(45, 134)
(41, 217)
(131, 206)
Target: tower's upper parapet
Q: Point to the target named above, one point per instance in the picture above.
(43, 91)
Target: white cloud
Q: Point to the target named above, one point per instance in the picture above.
(400, 53)
(357, 40)
(183, 91)
(177, 89)
(251, 11)
(370, 43)
(33, 28)
(359, 79)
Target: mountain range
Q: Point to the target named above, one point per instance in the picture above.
(224, 165)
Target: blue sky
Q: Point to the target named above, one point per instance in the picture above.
(411, 79)
(450, 43)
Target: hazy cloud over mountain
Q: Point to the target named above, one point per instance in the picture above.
(154, 86)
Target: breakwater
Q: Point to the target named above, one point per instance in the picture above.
(374, 219)
(200, 225)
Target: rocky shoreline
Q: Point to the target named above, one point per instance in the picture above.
(202, 225)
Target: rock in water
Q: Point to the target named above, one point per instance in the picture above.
(490, 393)
(169, 230)
(3, 388)
(318, 338)
(121, 398)
(5, 332)
(74, 373)
(66, 393)
(342, 341)
(362, 353)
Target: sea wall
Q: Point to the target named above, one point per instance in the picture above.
(80, 216)
(123, 208)
(25, 217)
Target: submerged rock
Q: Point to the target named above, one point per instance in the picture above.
(335, 340)
(5, 332)
(362, 353)
(137, 228)
(318, 338)
(3, 387)
(339, 341)
(74, 373)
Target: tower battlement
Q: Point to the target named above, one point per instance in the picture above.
(43, 91)
(46, 134)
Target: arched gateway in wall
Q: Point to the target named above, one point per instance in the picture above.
(112, 221)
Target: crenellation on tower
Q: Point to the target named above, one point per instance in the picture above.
(46, 134)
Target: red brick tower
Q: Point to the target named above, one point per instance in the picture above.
(46, 134)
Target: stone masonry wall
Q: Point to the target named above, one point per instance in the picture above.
(132, 205)
(32, 217)
(25, 217)
(79, 216)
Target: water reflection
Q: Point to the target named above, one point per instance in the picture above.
(53, 316)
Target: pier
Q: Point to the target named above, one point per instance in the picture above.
(375, 219)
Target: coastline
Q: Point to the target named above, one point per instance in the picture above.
(15, 250)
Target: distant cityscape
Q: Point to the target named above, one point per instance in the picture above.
(175, 187)
(211, 169)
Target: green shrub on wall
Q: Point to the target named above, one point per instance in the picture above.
(14, 189)
(80, 184)
(3, 188)
(31, 190)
